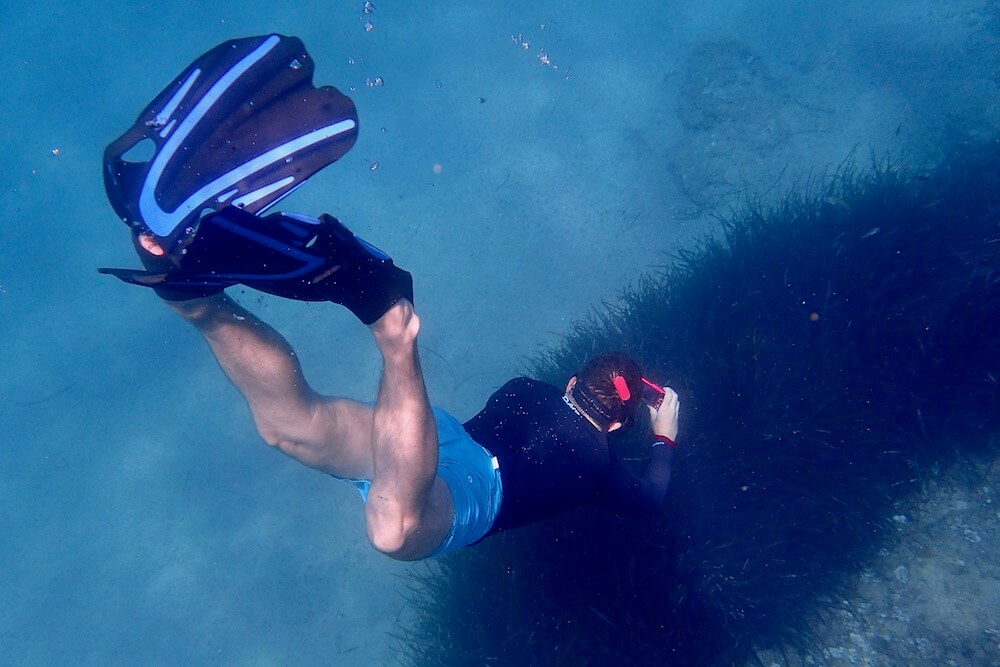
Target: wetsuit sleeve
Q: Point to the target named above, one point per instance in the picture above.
(630, 492)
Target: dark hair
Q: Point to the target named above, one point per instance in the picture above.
(599, 374)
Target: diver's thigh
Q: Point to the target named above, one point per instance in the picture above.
(439, 516)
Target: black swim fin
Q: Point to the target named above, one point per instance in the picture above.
(238, 130)
(288, 255)
(353, 272)
(241, 126)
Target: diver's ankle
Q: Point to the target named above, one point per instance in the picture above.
(198, 309)
(396, 331)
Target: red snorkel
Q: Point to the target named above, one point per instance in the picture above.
(622, 388)
(652, 393)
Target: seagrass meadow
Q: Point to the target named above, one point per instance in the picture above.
(829, 352)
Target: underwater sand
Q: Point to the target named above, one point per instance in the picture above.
(932, 598)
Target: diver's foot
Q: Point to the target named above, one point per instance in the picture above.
(148, 242)
(165, 274)
(352, 272)
(370, 291)
(364, 279)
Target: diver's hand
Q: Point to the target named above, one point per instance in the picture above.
(665, 419)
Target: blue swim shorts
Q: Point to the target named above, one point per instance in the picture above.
(472, 476)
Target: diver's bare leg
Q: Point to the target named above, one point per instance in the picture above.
(409, 509)
(331, 435)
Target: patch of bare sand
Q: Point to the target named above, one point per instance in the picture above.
(931, 599)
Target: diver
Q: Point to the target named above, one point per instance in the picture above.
(233, 134)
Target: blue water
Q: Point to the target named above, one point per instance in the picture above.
(525, 160)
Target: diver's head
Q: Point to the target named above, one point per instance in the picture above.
(608, 391)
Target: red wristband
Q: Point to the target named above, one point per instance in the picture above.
(657, 439)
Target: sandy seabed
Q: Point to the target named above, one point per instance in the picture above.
(933, 597)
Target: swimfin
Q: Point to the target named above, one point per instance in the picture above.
(241, 126)
(288, 255)
(354, 273)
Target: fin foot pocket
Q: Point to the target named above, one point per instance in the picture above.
(353, 273)
(288, 255)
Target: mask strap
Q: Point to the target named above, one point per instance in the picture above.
(591, 405)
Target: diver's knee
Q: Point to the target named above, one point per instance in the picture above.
(392, 534)
(387, 539)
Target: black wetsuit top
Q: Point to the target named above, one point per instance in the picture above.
(551, 458)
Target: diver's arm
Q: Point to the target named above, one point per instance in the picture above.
(657, 477)
(664, 421)
(646, 493)
(631, 492)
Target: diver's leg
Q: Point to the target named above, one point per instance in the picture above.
(331, 435)
(409, 509)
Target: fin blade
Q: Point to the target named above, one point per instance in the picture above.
(243, 121)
